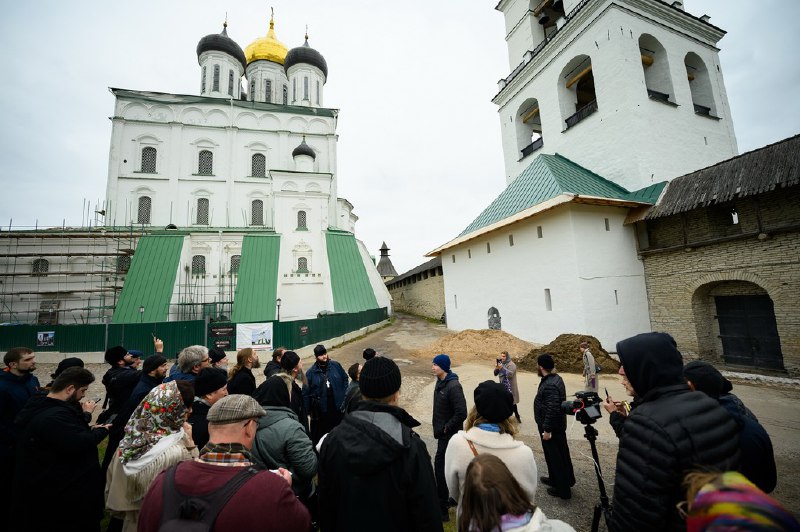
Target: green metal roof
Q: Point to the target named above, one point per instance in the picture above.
(352, 291)
(545, 178)
(257, 286)
(647, 194)
(150, 280)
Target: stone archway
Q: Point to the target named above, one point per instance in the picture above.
(735, 323)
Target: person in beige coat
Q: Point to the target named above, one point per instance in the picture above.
(489, 429)
(156, 437)
(506, 371)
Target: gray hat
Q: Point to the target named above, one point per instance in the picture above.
(233, 408)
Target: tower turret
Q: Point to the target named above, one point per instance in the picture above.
(222, 65)
(307, 71)
(266, 79)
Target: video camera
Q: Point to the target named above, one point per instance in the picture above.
(586, 407)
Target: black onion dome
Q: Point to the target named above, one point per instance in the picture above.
(304, 149)
(306, 54)
(220, 42)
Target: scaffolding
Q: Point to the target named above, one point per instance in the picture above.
(52, 275)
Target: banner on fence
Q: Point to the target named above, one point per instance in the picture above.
(257, 336)
(45, 339)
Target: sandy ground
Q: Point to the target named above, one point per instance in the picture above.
(407, 335)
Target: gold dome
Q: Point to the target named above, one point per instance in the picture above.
(268, 48)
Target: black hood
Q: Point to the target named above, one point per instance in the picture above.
(651, 360)
(367, 447)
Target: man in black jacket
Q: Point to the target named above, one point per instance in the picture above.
(210, 386)
(119, 380)
(374, 471)
(449, 414)
(57, 459)
(552, 425)
(755, 445)
(672, 432)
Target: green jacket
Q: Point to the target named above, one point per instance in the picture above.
(282, 442)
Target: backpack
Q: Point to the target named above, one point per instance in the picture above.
(196, 513)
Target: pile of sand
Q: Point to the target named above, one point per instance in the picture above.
(472, 345)
(567, 356)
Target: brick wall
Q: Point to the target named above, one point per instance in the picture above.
(681, 285)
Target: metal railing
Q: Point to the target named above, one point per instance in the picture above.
(659, 96)
(532, 147)
(581, 113)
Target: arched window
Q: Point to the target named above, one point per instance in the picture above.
(215, 82)
(202, 211)
(317, 92)
(149, 160)
(230, 82)
(302, 265)
(257, 212)
(577, 96)
(528, 122)
(305, 88)
(198, 265)
(301, 220)
(123, 264)
(285, 95)
(252, 90)
(236, 260)
(259, 165)
(205, 163)
(40, 267)
(268, 91)
(657, 78)
(143, 214)
(203, 82)
(700, 85)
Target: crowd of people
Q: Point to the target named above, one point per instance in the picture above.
(201, 444)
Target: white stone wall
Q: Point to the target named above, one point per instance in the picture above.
(579, 263)
(226, 64)
(298, 74)
(259, 72)
(631, 139)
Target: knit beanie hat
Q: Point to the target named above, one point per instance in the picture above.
(546, 361)
(151, 363)
(289, 360)
(368, 353)
(443, 361)
(209, 380)
(705, 377)
(380, 377)
(319, 350)
(115, 354)
(135, 353)
(216, 354)
(71, 362)
(493, 402)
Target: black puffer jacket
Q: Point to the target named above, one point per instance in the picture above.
(672, 431)
(547, 405)
(449, 407)
(375, 474)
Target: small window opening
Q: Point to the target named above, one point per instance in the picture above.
(511, 240)
(608, 225)
(548, 303)
(488, 248)
(539, 231)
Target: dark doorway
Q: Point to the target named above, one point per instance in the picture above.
(748, 331)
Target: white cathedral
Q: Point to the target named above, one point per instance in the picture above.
(222, 204)
(605, 102)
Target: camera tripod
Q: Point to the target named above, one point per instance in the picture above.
(603, 507)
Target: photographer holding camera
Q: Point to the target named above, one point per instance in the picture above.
(552, 424)
(506, 371)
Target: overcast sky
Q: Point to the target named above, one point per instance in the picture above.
(419, 145)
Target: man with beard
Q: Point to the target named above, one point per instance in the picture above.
(57, 459)
(618, 410)
(119, 380)
(449, 414)
(273, 367)
(17, 385)
(324, 395)
(241, 380)
(154, 369)
(552, 425)
(190, 361)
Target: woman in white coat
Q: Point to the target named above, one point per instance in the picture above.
(489, 429)
(494, 500)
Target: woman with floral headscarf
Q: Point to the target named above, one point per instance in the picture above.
(156, 437)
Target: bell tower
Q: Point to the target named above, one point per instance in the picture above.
(630, 89)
